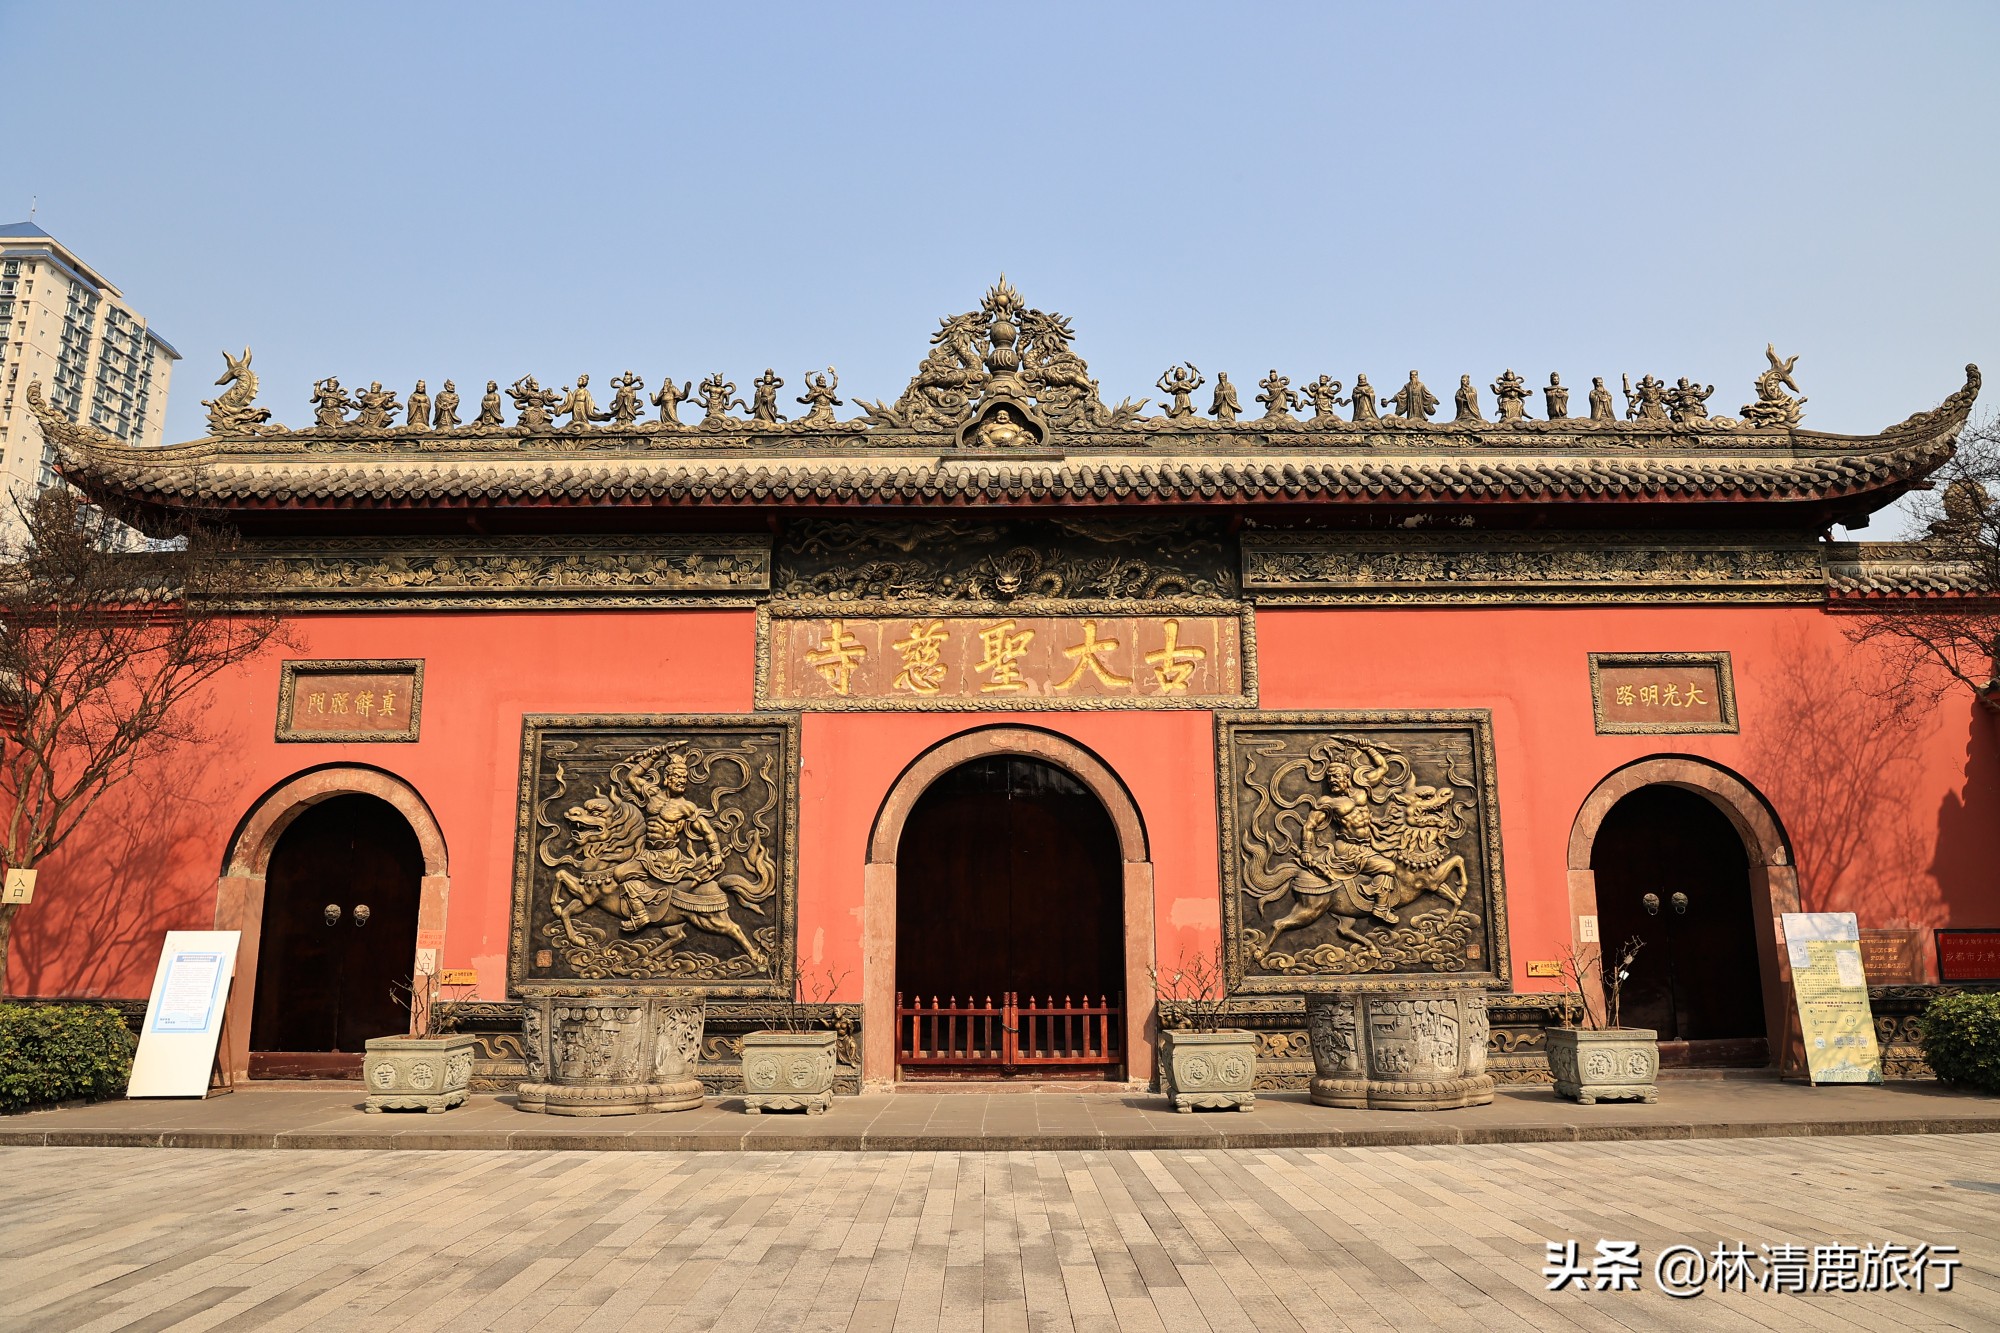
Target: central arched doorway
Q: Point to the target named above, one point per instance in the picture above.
(1010, 926)
(338, 935)
(1089, 922)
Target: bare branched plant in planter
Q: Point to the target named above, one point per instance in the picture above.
(1202, 1063)
(1602, 1060)
(430, 1067)
(792, 1067)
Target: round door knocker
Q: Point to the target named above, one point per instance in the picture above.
(1651, 902)
(361, 914)
(1680, 902)
(332, 914)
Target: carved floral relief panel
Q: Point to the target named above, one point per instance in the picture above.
(656, 852)
(1360, 848)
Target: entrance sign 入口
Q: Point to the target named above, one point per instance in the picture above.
(20, 887)
(1832, 989)
(184, 1017)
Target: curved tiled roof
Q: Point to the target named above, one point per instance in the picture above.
(1151, 463)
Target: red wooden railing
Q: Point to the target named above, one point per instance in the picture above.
(972, 1034)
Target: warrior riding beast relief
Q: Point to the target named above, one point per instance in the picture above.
(1359, 850)
(658, 854)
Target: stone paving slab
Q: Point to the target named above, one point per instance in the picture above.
(330, 1117)
(1288, 1239)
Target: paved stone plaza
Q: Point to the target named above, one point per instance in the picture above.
(1280, 1238)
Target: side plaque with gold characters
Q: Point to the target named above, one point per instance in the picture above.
(1000, 661)
(656, 852)
(1661, 693)
(1360, 849)
(364, 700)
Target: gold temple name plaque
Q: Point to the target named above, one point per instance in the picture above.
(1661, 693)
(366, 700)
(1004, 661)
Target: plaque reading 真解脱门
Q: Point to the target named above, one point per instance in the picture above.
(1360, 849)
(1004, 661)
(350, 700)
(1660, 693)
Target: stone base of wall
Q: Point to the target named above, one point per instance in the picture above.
(1284, 1059)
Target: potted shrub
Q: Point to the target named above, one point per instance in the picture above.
(1602, 1060)
(1202, 1063)
(1961, 1039)
(791, 1068)
(430, 1069)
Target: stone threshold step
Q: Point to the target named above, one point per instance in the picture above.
(1206, 1132)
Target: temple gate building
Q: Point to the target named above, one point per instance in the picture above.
(999, 697)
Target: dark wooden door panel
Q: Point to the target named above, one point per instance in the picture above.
(325, 979)
(1009, 884)
(1671, 870)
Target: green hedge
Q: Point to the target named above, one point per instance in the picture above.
(1962, 1040)
(61, 1053)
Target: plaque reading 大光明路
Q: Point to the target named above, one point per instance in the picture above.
(367, 700)
(1659, 693)
(1001, 661)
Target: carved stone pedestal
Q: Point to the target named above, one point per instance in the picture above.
(612, 1055)
(1399, 1050)
(1604, 1064)
(418, 1073)
(1211, 1070)
(788, 1071)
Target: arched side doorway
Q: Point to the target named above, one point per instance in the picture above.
(1686, 856)
(243, 888)
(984, 756)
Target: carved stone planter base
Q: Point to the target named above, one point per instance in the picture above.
(1399, 1050)
(788, 1071)
(1209, 1071)
(1593, 1065)
(594, 1055)
(418, 1073)
(608, 1099)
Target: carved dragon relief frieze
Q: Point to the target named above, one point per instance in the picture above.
(1360, 848)
(656, 851)
(1432, 568)
(959, 561)
(434, 573)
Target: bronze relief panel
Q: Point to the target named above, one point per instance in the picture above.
(1360, 848)
(656, 852)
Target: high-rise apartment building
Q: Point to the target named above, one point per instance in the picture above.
(63, 324)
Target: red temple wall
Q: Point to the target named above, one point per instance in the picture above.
(1898, 820)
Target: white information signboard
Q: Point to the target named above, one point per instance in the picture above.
(1832, 989)
(184, 1017)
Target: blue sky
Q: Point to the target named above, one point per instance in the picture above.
(478, 191)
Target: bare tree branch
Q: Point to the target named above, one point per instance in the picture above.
(104, 647)
(1943, 632)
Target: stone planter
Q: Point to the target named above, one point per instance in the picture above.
(612, 1055)
(1213, 1070)
(1604, 1064)
(788, 1071)
(1399, 1050)
(418, 1073)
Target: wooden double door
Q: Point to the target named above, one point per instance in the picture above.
(1009, 883)
(339, 938)
(1671, 871)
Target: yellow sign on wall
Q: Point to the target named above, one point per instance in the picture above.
(1832, 989)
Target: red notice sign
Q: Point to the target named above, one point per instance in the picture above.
(1968, 955)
